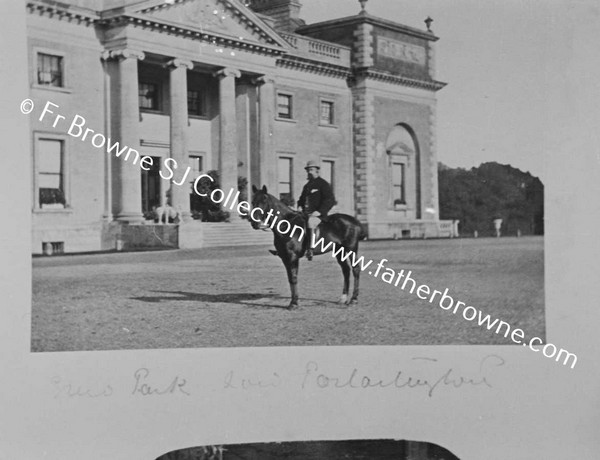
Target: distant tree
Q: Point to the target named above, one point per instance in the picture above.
(478, 196)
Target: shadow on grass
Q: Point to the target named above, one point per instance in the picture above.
(245, 299)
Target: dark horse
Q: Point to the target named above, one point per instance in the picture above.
(341, 229)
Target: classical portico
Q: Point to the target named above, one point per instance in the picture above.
(161, 94)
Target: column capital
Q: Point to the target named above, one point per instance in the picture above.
(263, 79)
(227, 72)
(175, 63)
(124, 53)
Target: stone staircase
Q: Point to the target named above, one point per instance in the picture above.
(238, 232)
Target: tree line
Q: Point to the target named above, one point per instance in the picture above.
(491, 191)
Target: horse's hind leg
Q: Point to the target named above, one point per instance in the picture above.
(292, 273)
(346, 273)
(356, 273)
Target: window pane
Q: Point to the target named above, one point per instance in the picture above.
(49, 181)
(284, 176)
(197, 102)
(397, 173)
(398, 181)
(284, 106)
(148, 96)
(196, 165)
(327, 171)
(327, 112)
(284, 169)
(49, 156)
(49, 70)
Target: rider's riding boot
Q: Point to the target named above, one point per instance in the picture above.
(309, 251)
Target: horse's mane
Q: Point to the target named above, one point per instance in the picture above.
(280, 204)
(286, 213)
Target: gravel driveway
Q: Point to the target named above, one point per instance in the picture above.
(236, 297)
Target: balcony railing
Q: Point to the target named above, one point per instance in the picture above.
(318, 49)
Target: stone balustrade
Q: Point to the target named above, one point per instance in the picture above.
(318, 49)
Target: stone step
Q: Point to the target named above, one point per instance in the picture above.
(215, 234)
(235, 233)
(236, 238)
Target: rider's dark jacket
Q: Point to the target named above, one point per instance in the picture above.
(317, 196)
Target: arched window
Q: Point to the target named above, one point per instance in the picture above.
(401, 149)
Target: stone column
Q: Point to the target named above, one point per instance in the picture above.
(266, 157)
(228, 151)
(108, 200)
(180, 194)
(127, 180)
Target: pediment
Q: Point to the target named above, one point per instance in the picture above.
(400, 148)
(227, 18)
(400, 142)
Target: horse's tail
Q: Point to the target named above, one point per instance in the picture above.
(362, 234)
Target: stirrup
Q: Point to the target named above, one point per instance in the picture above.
(309, 254)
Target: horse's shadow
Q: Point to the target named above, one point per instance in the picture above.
(243, 298)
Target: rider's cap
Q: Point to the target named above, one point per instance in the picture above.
(312, 164)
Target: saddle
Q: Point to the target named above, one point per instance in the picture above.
(307, 231)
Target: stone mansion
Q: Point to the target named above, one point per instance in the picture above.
(245, 88)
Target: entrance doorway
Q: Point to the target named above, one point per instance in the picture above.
(151, 186)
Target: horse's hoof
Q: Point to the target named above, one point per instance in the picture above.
(352, 302)
(344, 299)
(292, 306)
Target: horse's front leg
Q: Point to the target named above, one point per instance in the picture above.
(291, 267)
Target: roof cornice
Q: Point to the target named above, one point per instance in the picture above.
(366, 18)
(62, 10)
(432, 85)
(308, 65)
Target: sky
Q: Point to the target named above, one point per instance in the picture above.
(520, 78)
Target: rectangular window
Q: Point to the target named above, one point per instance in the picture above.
(284, 106)
(196, 163)
(50, 70)
(327, 172)
(284, 178)
(326, 113)
(148, 96)
(398, 183)
(50, 172)
(197, 103)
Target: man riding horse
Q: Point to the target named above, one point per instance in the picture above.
(340, 230)
(316, 201)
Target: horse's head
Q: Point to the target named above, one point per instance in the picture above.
(263, 201)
